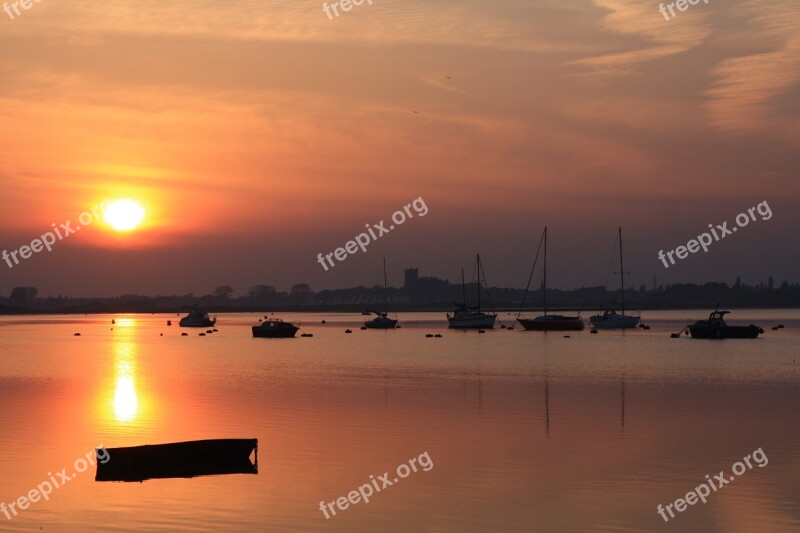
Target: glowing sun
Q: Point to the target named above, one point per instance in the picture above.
(124, 215)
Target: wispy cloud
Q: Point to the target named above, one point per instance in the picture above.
(446, 22)
(657, 37)
(745, 85)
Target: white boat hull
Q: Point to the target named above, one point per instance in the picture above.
(472, 322)
(614, 321)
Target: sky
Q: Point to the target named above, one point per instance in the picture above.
(257, 135)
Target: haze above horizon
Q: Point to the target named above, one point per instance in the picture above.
(247, 138)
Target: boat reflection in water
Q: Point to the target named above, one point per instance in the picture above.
(178, 460)
(547, 405)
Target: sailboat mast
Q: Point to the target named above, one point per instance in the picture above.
(385, 289)
(463, 288)
(479, 283)
(544, 278)
(621, 273)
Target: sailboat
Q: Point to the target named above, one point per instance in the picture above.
(471, 317)
(549, 322)
(382, 321)
(612, 319)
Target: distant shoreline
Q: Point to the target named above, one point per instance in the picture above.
(418, 294)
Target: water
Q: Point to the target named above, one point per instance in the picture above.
(526, 431)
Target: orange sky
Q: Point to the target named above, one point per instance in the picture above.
(258, 134)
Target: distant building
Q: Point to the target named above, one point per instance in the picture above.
(411, 278)
(427, 289)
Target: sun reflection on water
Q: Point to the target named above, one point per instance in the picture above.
(126, 400)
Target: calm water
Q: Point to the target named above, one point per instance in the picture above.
(526, 431)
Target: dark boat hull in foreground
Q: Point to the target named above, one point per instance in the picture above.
(716, 328)
(552, 323)
(179, 460)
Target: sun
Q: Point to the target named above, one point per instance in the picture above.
(124, 215)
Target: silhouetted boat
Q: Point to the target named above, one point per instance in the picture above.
(470, 318)
(275, 328)
(465, 317)
(548, 322)
(382, 321)
(179, 460)
(197, 319)
(552, 323)
(716, 328)
(612, 319)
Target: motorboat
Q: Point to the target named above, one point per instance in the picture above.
(716, 328)
(275, 328)
(197, 319)
(382, 321)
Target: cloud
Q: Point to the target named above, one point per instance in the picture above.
(658, 38)
(745, 85)
(445, 23)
